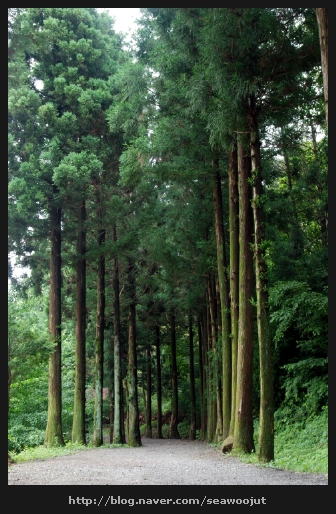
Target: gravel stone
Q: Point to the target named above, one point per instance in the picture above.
(156, 462)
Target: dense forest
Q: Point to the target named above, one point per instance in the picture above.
(170, 202)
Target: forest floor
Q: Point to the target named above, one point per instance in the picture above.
(156, 462)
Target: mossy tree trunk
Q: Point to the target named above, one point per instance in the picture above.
(201, 375)
(149, 393)
(118, 418)
(192, 433)
(97, 437)
(173, 432)
(212, 389)
(158, 384)
(134, 438)
(54, 434)
(266, 350)
(224, 299)
(78, 426)
(219, 369)
(234, 275)
(243, 434)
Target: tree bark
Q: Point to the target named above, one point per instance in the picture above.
(159, 387)
(243, 434)
(224, 299)
(149, 393)
(78, 427)
(173, 433)
(54, 434)
(134, 438)
(97, 438)
(322, 21)
(266, 350)
(234, 275)
(118, 418)
(212, 367)
(192, 433)
(201, 376)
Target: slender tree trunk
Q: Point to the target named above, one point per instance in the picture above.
(149, 393)
(78, 426)
(201, 376)
(159, 387)
(243, 435)
(205, 350)
(212, 364)
(111, 416)
(266, 350)
(234, 275)
(224, 299)
(322, 21)
(133, 405)
(123, 402)
(97, 438)
(192, 433)
(127, 410)
(218, 368)
(117, 428)
(144, 393)
(173, 433)
(54, 434)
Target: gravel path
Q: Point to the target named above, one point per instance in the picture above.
(157, 461)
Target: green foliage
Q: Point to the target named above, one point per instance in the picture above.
(29, 344)
(28, 411)
(299, 318)
(304, 448)
(300, 446)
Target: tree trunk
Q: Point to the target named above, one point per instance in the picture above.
(111, 416)
(149, 393)
(192, 433)
(118, 419)
(205, 350)
(201, 376)
(78, 426)
(123, 402)
(212, 367)
(133, 406)
(234, 275)
(266, 431)
(243, 435)
(97, 438)
(127, 410)
(218, 369)
(159, 387)
(224, 299)
(54, 434)
(322, 21)
(173, 433)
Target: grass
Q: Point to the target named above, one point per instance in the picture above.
(42, 452)
(298, 448)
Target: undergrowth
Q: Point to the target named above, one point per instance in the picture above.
(301, 447)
